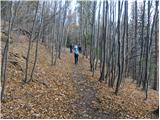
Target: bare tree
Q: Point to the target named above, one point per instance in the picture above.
(6, 50)
(126, 51)
(58, 34)
(37, 42)
(147, 48)
(53, 31)
(104, 27)
(155, 84)
(29, 46)
(119, 49)
(98, 36)
(62, 32)
(142, 49)
(135, 40)
(92, 49)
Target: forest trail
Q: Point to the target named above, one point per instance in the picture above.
(67, 91)
(40, 80)
(84, 105)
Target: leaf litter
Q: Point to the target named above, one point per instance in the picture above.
(53, 92)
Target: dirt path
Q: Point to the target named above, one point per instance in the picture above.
(86, 106)
(67, 91)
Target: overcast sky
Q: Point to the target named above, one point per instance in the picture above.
(74, 4)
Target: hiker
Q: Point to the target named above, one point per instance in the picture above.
(79, 48)
(71, 47)
(76, 54)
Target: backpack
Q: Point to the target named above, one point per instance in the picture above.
(76, 51)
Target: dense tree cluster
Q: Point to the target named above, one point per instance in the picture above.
(124, 44)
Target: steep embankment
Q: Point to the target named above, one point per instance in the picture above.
(50, 93)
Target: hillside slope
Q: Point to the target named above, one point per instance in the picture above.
(67, 90)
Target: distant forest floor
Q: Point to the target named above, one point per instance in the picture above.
(68, 90)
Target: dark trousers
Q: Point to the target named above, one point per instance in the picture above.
(70, 50)
(76, 58)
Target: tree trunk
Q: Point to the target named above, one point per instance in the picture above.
(57, 42)
(97, 50)
(5, 53)
(126, 52)
(105, 13)
(53, 32)
(147, 51)
(119, 49)
(156, 76)
(141, 56)
(37, 42)
(29, 46)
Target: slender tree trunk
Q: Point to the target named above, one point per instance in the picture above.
(29, 46)
(123, 40)
(119, 49)
(62, 36)
(58, 36)
(156, 76)
(5, 53)
(147, 48)
(53, 32)
(93, 39)
(141, 56)
(97, 50)
(105, 12)
(126, 59)
(135, 37)
(37, 42)
(113, 50)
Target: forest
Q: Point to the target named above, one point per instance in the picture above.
(73, 59)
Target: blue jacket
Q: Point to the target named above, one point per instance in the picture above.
(76, 51)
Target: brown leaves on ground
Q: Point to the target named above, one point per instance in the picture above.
(129, 103)
(53, 91)
(50, 93)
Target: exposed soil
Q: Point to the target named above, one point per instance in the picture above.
(87, 105)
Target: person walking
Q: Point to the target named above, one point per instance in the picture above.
(79, 48)
(76, 54)
(71, 47)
